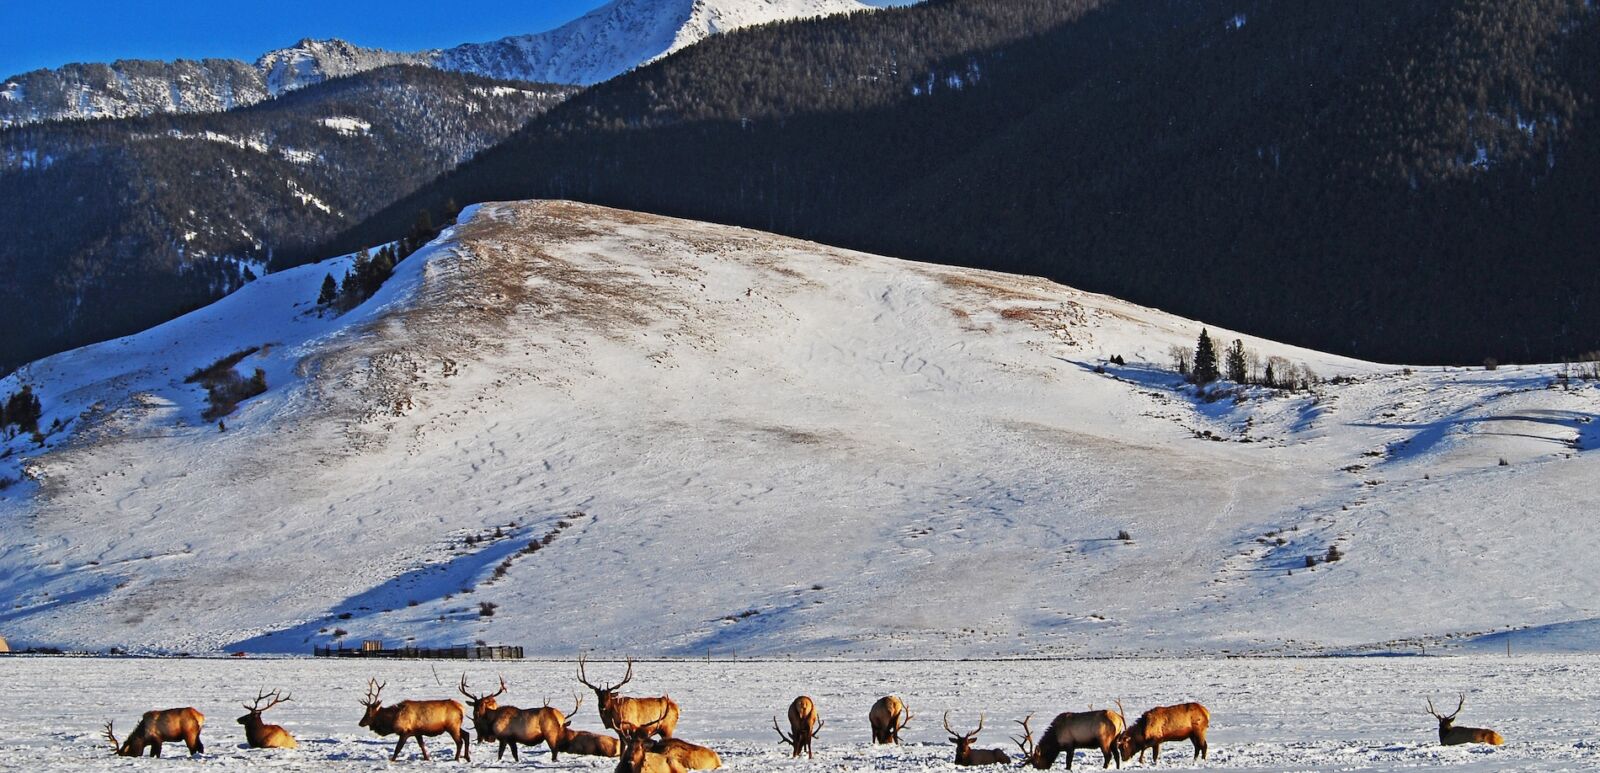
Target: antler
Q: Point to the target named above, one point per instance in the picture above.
(374, 689)
(781, 734)
(1025, 743)
(1459, 704)
(628, 677)
(111, 736)
(905, 716)
(973, 734)
(577, 704)
(815, 731)
(583, 677)
(255, 706)
(1440, 717)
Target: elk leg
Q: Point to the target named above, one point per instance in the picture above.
(423, 747)
(1155, 753)
(155, 749)
(1200, 750)
(398, 746)
(196, 746)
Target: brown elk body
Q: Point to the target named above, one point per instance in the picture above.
(1184, 722)
(258, 733)
(692, 756)
(511, 726)
(968, 756)
(1450, 735)
(804, 725)
(415, 719)
(159, 727)
(888, 717)
(617, 710)
(1071, 731)
(589, 744)
(635, 755)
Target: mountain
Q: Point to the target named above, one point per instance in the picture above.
(709, 437)
(1401, 181)
(603, 43)
(113, 226)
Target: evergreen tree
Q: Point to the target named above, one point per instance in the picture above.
(1205, 360)
(23, 409)
(1235, 366)
(330, 290)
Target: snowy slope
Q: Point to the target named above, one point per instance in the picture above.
(622, 35)
(773, 447)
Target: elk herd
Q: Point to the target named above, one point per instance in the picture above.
(645, 729)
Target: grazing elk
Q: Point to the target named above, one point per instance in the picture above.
(965, 754)
(888, 717)
(512, 726)
(415, 719)
(1069, 732)
(1184, 722)
(635, 753)
(804, 725)
(261, 735)
(1449, 735)
(159, 727)
(615, 709)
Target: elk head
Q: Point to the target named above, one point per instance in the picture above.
(373, 702)
(132, 747)
(482, 705)
(1446, 720)
(635, 740)
(963, 741)
(255, 708)
(605, 696)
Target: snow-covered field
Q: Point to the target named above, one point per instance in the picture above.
(1300, 714)
(728, 441)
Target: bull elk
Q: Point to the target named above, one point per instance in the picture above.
(1069, 732)
(636, 755)
(159, 727)
(804, 725)
(888, 717)
(511, 726)
(1449, 735)
(415, 719)
(617, 710)
(261, 735)
(968, 756)
(1184, 722)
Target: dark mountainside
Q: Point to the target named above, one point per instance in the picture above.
(112, 226)
(1400, 180)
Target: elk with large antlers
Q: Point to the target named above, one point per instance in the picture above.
(888, 717)
(158, 727)
(1450, 735)
(1184, 722)
(1069, 732)
(804, 725)
(415, 719)
(616, 709)
(636, 754)
(511, 726)
(968, 756)
(261, 735)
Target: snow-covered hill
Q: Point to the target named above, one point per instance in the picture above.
(608, 41)
(726, 440)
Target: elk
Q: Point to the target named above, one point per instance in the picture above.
(1449, 735)
(965, 754)
(512, 726)
(159, 727)
(804, 725)
(415, 719)
(692, 756)
(615, 709)
(1184, 722)
(636, 755)
(261, 735)
(888, 717)
(589, 744)
(1069, 732)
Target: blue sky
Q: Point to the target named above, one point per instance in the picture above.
(50, 33)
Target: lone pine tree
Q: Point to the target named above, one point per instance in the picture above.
(1205, 360)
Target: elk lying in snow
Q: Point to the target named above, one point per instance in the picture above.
(512, 726)
(804, 725)
(888, 717)
(589, 744)
(965, 754)
(261, 735)
(616, 710)
(1069, 732)
(636, 755)
(1184, 722)
(159, 727)
(1449, 735)
(415, 719)
(691, 756)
